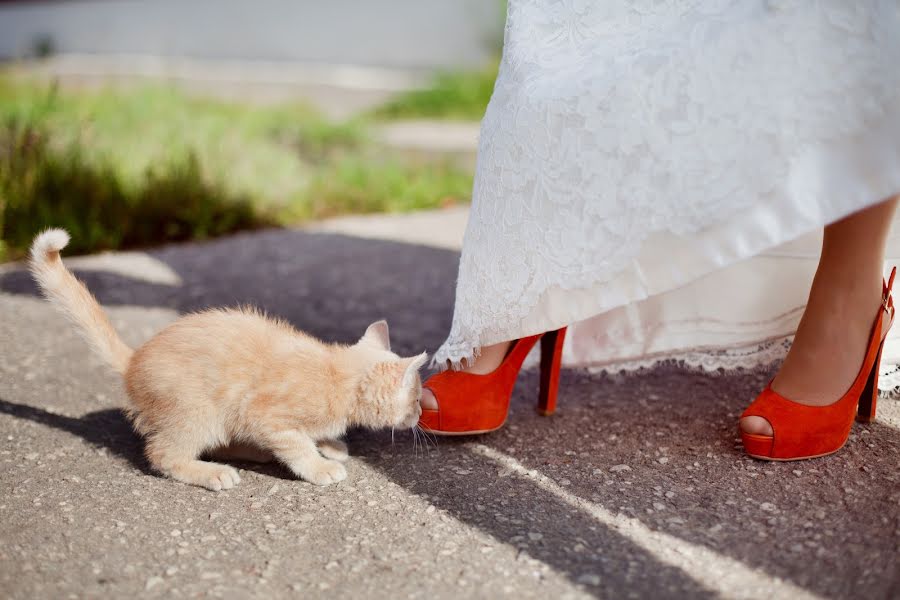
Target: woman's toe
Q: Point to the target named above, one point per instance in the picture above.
(428, 401)
(756, 426)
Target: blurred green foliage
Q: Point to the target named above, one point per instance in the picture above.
(357, 185)
(136, 167)
(460, 95)
(41, 187)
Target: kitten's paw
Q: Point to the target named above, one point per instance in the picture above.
(334, 449)
(221, 477)
(210, 475)
(326, 472)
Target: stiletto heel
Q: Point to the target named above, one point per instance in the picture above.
(469, 404)
(868, 402)
(551, 359)
(804, 431)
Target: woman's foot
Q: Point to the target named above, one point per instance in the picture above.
(826, 354)
(830, 343)
(487, 362)
(476, 400)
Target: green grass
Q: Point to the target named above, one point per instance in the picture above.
(137, 167)
(171, 201)
(451, 95)
(457, 95)
(363, 186)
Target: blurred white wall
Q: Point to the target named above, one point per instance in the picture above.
(406, 34)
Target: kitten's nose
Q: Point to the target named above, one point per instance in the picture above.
(415, 415)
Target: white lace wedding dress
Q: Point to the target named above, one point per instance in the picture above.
(656, 173)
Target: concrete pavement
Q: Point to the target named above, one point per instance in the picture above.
(637, 487)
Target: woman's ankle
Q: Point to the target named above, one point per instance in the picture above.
(830, 343)
(488, 359)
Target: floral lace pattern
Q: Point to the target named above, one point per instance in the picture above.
(758, 357)
(613, 123)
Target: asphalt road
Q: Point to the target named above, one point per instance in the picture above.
(637, 487)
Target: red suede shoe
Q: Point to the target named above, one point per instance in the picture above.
(803, 431)
(469, 404)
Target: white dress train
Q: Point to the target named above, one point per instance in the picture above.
(656, 174)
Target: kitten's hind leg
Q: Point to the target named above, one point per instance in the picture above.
(298, 452)
(180, 462)
(334, 449)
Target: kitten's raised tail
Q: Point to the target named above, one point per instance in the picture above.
(75, 301)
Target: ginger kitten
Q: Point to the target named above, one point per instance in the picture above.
(234, 378)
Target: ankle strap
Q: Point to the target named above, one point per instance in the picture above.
(887, 300)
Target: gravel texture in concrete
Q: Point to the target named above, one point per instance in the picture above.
(636, 488)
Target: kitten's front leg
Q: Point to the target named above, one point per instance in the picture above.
(334, 449)
(298, 452)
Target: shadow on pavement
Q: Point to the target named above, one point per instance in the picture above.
(480, 493)
(331, 286)
(108, 429)
(111, 429)
(827, 525)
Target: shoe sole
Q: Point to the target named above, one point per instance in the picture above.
(461, 433)
(771, 459)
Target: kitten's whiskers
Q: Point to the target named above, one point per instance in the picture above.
(428, 436)
(424, 440)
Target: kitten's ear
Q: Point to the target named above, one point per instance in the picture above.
(377, 333)
(412, 368)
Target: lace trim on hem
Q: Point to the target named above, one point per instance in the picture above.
(758, 357)
(889, 382)
(755, 357)
(452, 358)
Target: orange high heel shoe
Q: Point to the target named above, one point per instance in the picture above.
(469, 404)
(802, 431)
